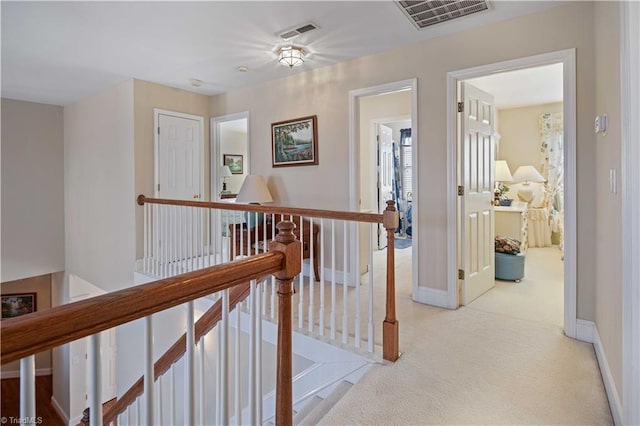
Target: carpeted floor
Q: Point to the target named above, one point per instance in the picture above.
(479, 365)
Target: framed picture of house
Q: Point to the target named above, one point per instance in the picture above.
(295, 142)
(234, 161)
(16, 304)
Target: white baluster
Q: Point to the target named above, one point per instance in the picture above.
(321, 254)
(345, 323)
(172, 395)
(237, 401)
(301, 278)
(372, 229)
(28, 388)
(258, 320)
(189, 400)
(138, 417)
(148, 370)
(356, 273)
(145, 256)
(332, 317)
(223, 396)
(252, 354)
(273, 311)
(95, 385)
(312, 277)
(201, 382)
(159, 401)
(216, 334)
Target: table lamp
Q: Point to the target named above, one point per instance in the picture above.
(503, 174)
(526, 175)
(226, 172)
(254, 191)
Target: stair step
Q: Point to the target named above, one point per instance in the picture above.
(308, 407)
(321, 409)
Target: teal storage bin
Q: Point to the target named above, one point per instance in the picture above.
(509, 267)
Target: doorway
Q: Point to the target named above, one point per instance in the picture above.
(391, 105)
(229, 147)
(457, 232)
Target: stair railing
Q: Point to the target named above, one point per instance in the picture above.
(23, 337)
(186, 235)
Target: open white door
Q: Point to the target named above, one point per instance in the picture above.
(179, 156)
(476, 202)
(385, 175)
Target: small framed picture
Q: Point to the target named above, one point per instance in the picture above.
(14, 305)
(234, 162)
(295, 142)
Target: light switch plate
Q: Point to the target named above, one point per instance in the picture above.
(600, 124)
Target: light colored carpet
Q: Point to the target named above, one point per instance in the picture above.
(474, 366)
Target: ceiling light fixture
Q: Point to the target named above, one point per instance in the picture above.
(242, 68)
(291, 56)
(195, 82)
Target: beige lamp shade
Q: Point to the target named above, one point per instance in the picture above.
(503, 174)
(254, 190)
(527, 174)
(226, 171)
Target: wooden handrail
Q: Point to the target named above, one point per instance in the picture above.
(324, 214)
(204, 324)
(39, 331)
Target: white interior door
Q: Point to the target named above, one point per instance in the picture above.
(476, 170)
(179, 158)
(385, 174)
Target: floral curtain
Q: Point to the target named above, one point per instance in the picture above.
(552, 168)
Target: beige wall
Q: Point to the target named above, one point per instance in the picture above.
(608, 206)
(519, 131)
(41, 285)
(325, 92)
(32, 189)
(99, 188)
(373, 108)
(146, 97)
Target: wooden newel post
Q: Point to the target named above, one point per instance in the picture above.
(390, 330)
(286, 243)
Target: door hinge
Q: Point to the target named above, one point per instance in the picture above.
(460, 106)
(158, 129)
(461, 274)
(460, 190)
(158, 187)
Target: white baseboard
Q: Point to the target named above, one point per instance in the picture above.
(585, 330)
(432, 296)
(14, 374)
(61, 412)
(609, 385)
(75, 421)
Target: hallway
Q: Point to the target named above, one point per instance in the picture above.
(472, 366)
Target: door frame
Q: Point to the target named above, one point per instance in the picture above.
(630, 109)
(214, 148)
(354, 158)
(568, 59)
(156, 122)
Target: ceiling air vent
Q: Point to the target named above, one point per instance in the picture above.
(430, 12)
(289, 34)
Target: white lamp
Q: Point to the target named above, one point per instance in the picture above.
(527, 174)
(226, 172)
(503, 174)
(254, 191)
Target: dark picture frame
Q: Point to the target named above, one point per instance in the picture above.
(17, 304)
(295, 142)
(235, 163)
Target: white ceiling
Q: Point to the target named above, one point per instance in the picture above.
(531, 86)
(62, 52)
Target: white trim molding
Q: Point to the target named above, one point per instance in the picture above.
(354, 156)
(585, 331)
(61, 413)
(14, 374)
(156, 123)
(568, 59)
(630, 111)
(433, 296)
(607, 378)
